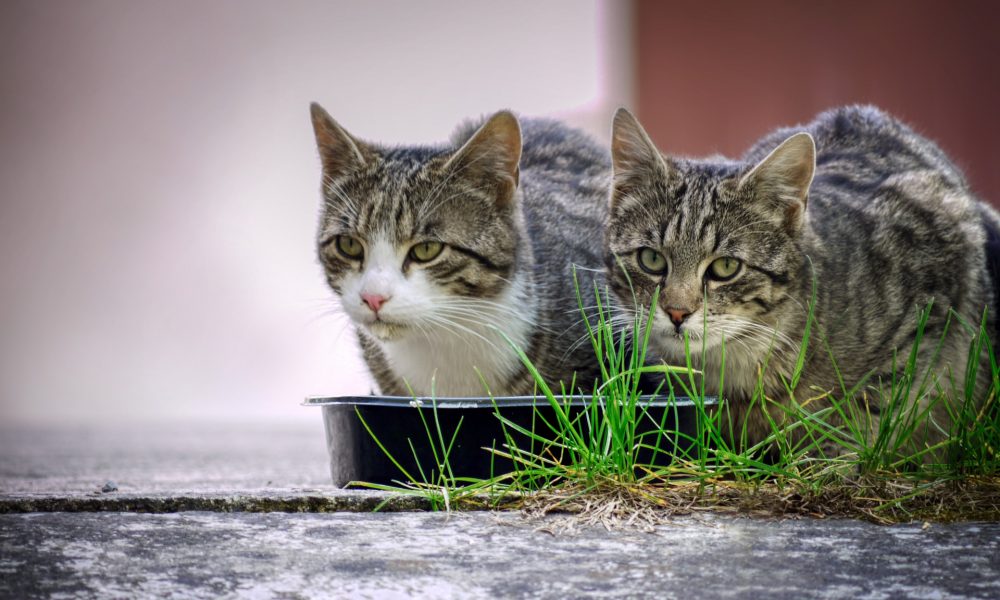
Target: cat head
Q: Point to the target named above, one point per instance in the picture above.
(411, 237)
(719, 239)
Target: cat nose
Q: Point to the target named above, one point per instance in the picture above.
(678, 315)
(374, 301)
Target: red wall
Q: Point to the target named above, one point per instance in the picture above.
(713, 76)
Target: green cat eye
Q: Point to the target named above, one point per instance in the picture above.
(350, 247)
(724, 269)
(426, 251)
(652, 262)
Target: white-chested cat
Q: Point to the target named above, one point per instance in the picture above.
(872, 212)
(429, 248)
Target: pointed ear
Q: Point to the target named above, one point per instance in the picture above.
(341, 154)
(783, 178)
(631, 148)
(632, 153)
(492, 155)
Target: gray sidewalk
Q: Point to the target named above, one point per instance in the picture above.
(202, 554)
(483, 555)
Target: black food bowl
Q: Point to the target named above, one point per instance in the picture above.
(417, 429)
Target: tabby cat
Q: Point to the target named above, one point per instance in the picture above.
(873, 213)
(430, 247)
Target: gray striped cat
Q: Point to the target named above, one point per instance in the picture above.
(428, 247)
(874, 213)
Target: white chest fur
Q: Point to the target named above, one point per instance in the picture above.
(463, 359)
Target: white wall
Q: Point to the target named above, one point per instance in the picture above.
(159, 182)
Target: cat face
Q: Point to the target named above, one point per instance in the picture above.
(716, 240)
(418, 240)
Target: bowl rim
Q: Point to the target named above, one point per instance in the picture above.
(474, 402)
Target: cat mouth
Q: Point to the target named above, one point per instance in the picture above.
(698, 342)
(670, 332)
(674, 338)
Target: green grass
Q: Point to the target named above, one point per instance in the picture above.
(824, 454)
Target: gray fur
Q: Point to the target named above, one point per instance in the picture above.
(497, 234)
(887, 225)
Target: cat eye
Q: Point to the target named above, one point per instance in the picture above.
(724, 269)
(426, 251)
(652, 262)
(350, 247)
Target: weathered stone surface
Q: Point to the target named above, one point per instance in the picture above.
(169, 457)
(269, 500)
(483, 555)
(268, 487)
(224, 467)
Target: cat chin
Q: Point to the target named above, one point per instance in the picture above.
(387, 332)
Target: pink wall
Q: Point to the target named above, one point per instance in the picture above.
(714, 76)
(159, 181)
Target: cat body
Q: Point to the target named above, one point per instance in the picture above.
(435, 250)
(855, 201)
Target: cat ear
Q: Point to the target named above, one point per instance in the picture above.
(492, 155)
(632, 152)
(631, 148)
(784, 176)
(341, 154)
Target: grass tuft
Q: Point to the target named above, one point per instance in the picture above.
(619, 461)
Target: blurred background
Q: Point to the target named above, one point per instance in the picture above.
(159, 180)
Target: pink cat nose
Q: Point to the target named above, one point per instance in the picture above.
(374, 301)
(678, 315)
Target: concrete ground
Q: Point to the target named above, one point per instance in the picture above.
(188, 547)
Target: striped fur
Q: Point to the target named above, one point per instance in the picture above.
(873, 212)
(514, 219)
